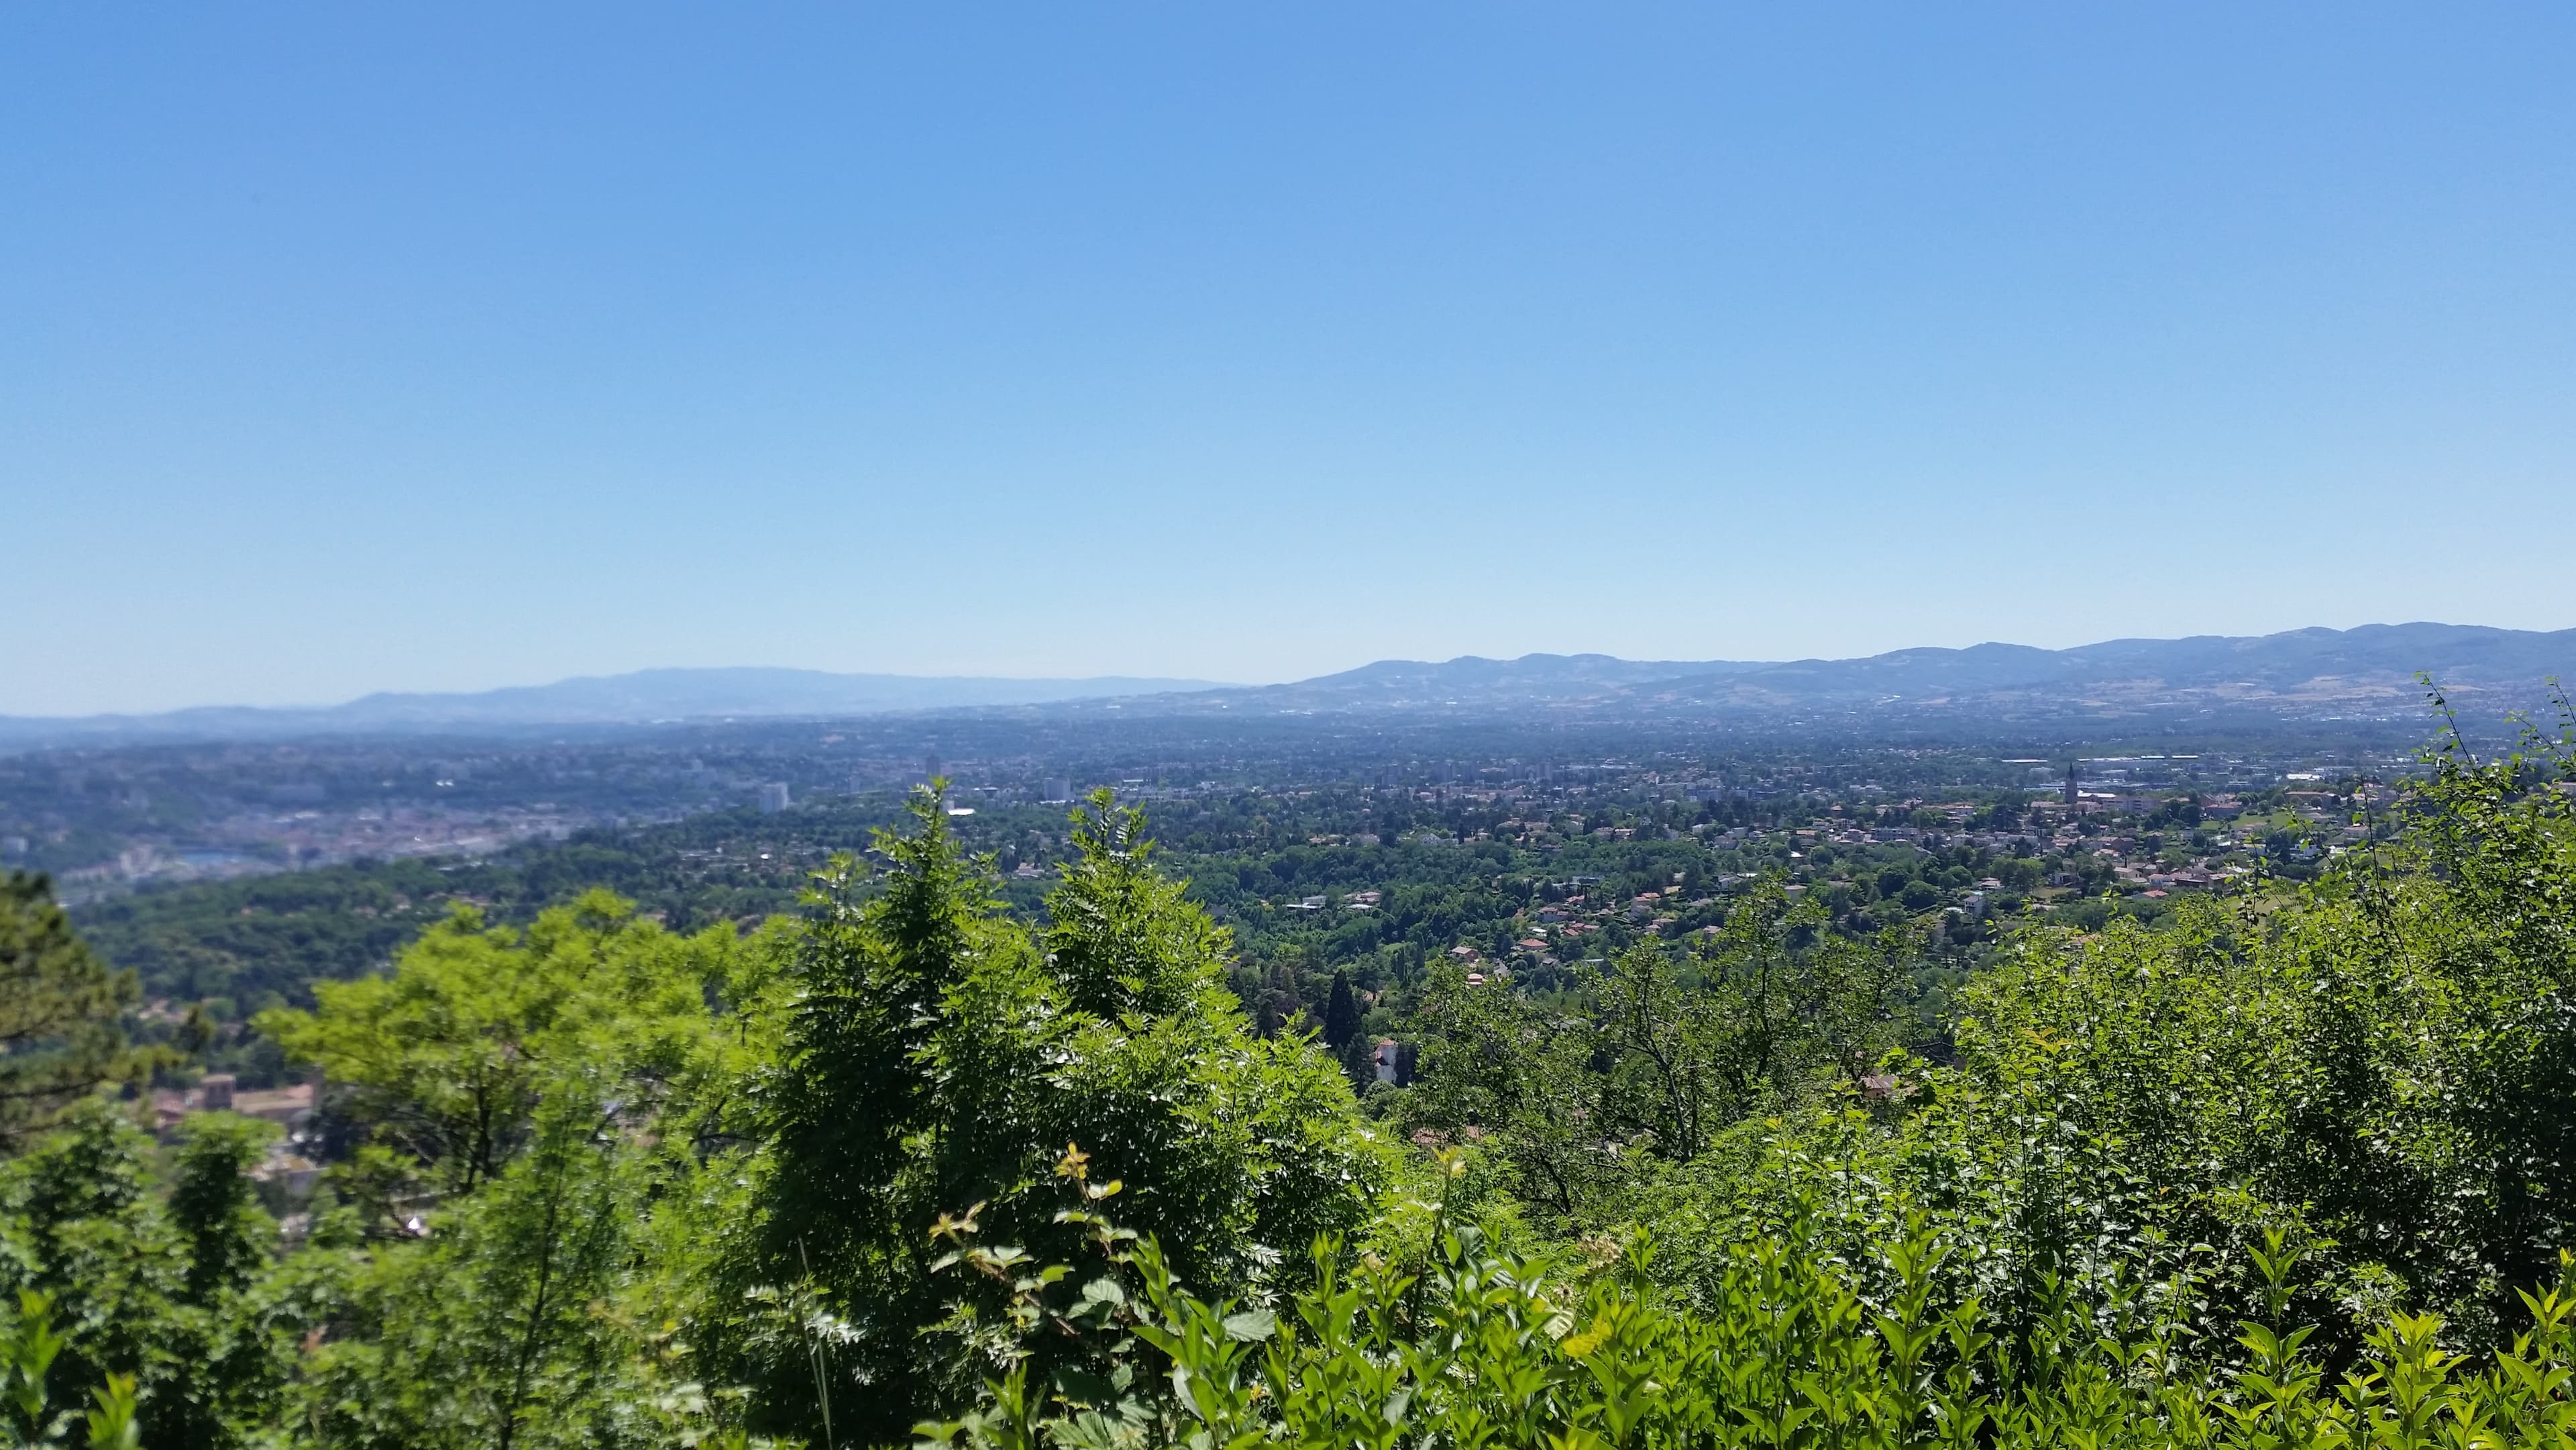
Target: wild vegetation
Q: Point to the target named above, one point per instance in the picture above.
(2284, 1168)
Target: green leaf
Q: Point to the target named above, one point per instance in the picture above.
(1251, 1325)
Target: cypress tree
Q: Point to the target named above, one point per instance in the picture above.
(1342, 1014)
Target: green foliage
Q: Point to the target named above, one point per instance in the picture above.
(2381, 1063)
(266, 940)
(1655, 1053)
(1341, 1013)
(1122, 938)
(1797, 1349)
(2389, 1059)
(58, 1006)
(504, 1328)
(444, 1060)
(228, 1365)
(157, 1298)
(83, 1228)
(540, 1113)
(937, 1055)
(28, 1348)
(224, 1231)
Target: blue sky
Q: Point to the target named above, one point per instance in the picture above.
(361, 347)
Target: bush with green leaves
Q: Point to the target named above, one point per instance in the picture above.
(2381, 1061)
(155, 1293)
(509, 1254)
(939, 1054)
(28, 1348)
(1797, 1348)
(1587, 1097)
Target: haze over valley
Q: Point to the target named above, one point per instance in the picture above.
(112, 803)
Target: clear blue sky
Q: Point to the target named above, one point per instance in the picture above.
(353, 347)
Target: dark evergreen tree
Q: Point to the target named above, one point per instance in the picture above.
(1359, 1062)
(1341, 1014)
(58, 1007)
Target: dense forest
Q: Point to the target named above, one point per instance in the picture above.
(913, 1148)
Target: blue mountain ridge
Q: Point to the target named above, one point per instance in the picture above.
(2370, 662)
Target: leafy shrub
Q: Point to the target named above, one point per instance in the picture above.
(939, 1054)
(1798, 1349)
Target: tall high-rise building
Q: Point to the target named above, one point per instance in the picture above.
(773, 798)
(930, 767)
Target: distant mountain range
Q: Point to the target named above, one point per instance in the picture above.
(2369, 670)
(639, 698)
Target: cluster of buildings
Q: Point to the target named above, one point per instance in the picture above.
(290, 1107)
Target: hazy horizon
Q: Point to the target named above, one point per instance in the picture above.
(1166, 682)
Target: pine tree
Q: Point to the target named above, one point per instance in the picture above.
(58, 1003)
